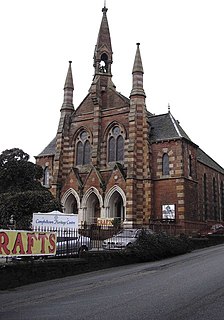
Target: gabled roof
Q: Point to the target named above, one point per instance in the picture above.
(165, 127)
(121, 169)
(208, 161)
(49, 150)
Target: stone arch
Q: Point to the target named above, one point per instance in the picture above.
(71, 201)
(78, 131)
(111, 125)
(92, 204)
(115, 203)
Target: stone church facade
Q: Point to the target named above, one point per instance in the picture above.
(111, 158)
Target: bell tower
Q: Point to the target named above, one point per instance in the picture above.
(102, 61)
(103, 50)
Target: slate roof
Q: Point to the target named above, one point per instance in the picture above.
(49, 150)
(204, 158)
(165, 127)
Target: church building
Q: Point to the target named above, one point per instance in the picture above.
(112, 158)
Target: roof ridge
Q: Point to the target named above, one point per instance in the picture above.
(175, 125)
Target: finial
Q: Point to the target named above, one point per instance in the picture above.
(70, 61)
(138, 44)
(168, 107)
(104, 10)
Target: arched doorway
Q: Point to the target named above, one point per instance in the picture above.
(92, 205)
(71, 205)
(92, 209)
(115, 203)
(70, 201)
(116, 206)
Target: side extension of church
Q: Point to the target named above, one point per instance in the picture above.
(112, 158)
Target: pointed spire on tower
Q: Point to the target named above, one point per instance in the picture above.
(103, 50)
(68, 91)
(137, 74)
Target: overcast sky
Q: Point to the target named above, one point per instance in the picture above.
(182, 49)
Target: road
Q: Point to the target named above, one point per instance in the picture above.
(190, 287)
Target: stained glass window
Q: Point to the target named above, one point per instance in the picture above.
(115, 145)
(166, 170)
(83, 149)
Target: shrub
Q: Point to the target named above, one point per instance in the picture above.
(159, 246)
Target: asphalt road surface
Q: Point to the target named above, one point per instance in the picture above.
(185, 287)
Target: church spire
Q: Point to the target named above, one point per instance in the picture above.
(137, 75)
(68, 91)
(103, 50)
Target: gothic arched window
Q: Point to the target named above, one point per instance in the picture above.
(214, 189)
(116, 145)
(165, 164)
(111, 156)
(83, 149)
(205, 192)
(87, 149)
(46, 177)
(190, 166)
(222, 199)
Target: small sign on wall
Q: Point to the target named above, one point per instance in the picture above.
(168, 212)
(105, 222)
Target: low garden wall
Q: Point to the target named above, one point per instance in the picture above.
(14, 274)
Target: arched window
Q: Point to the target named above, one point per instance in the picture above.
(214, 189)
(190, 166)
(46, 177)
(120, 148)
(205, 197)
(87, 149)
(166, 170)
(79, 153)
(116, 145)
(222, 199)
(112, 151)
(83, 149)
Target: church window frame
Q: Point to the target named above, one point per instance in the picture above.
(165, 164)
(205, 194)
(222, 199)
(116, 142)
(83, 149)
(190, 171)
(46, 177)
(214, 198)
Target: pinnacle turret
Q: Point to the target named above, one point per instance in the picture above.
(137, 74)
(68, 91)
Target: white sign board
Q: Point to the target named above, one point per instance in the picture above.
(54, 220)
(168, 211)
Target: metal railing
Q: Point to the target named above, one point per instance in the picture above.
(73, 242)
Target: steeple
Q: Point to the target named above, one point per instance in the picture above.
(68, 91)
(103, 50)
(137, 75)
